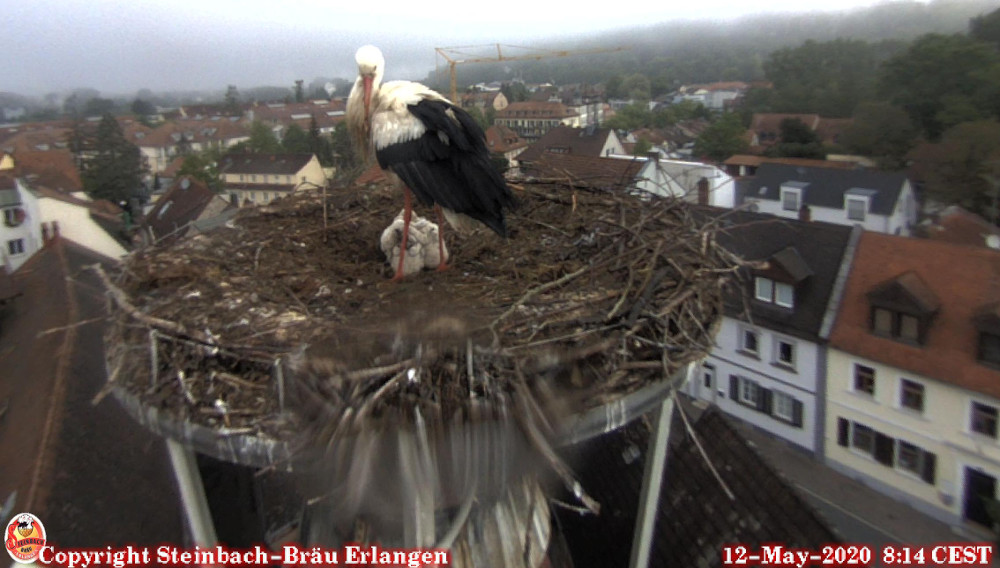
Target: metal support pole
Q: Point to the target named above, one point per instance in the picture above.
(192, 490)
(652, 483)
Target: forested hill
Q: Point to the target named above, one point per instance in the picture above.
(675, 53)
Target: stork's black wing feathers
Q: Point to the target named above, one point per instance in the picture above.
(449, 165)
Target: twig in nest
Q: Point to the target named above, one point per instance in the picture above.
(532, 293)
(236, 381)
(66, 327)
(123, 303)
(110, 384)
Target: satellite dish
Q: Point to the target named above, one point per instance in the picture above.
(185, 183)
(993, 241)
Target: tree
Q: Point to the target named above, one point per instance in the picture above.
(986, 28)
(630, 117)
(141, 107)
(183, 145)
(883, 132)
(613, 87)
(232, 101)
(514, 91)
(319, 144)
(642, 147)
(262, 139)
(797, 141)
(829, 78)
(477, 114)
(942, 78)
(722, 139)
(296, 140)
(637, 87)
(348, 161)
(116, 169)
(963, 168)
(98, 107)
(203, 166)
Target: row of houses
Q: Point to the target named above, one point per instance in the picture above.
(878, 353)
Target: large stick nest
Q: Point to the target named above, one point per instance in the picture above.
(594, 294)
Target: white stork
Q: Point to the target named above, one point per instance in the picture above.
(428, 146)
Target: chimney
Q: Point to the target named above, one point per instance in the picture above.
(703, 191)
(653, 155)
(805, 214)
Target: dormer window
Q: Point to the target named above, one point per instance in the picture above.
(856, 209)
(857, 202)
(902, 308)
(791, 196)
(780, 293)
(784, 272)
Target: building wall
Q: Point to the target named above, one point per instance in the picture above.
(943, 428)
(680, 179)
(801, 383)
(29, 233)
(872, 222)
(76, 225)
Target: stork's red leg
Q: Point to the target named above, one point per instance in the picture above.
(441, 259)
(407, 212)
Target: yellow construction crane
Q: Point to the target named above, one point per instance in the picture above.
(453, 56)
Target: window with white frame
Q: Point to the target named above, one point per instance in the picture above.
(749, 391)
(784, 295)
(887, 450)
(15, 246)
(783, 406)
(911, 395)
(864, 379)
(856, 208)
(784, 352)
(764, 289)
(749, 341)
(984, 419)
(909, 457)
(789, 200)
(780, 293)
(863, 438)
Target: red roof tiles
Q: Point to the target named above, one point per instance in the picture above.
(964, 279)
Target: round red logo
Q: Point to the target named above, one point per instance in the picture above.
(24, 538)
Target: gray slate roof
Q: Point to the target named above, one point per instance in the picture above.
(826, 187)
(695, 517)
(810, 252)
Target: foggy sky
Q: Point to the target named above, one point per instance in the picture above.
(119, 47)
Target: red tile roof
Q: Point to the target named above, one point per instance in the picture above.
(55, 169)
(501, 139)
(607, 173)
(568, 140)
(535, 110)
(956, 225)
(964, 280)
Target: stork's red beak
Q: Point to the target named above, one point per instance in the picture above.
(367, 79)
